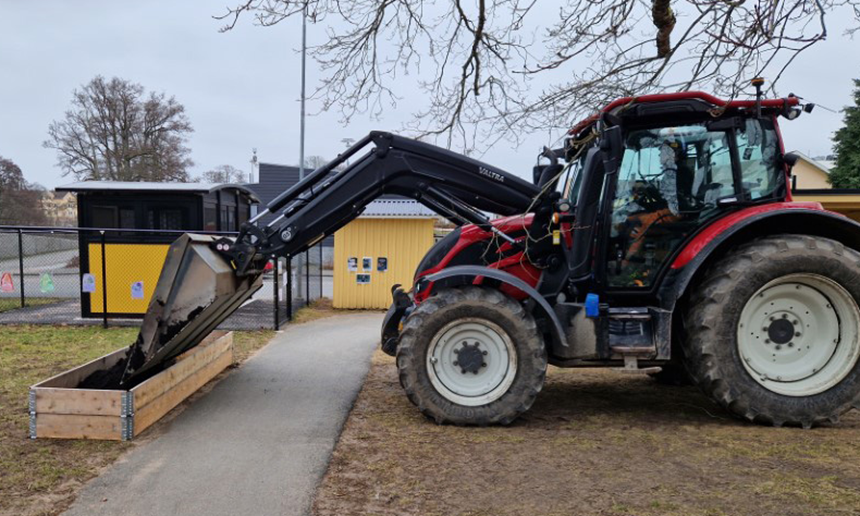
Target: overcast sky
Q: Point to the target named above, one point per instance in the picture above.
(241, 88)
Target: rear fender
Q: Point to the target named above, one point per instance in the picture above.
(424, 286)
(714, 242)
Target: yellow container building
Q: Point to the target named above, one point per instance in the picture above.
(379, 249)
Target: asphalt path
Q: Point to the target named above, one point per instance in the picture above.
(259, 442)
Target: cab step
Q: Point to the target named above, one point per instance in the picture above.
(631, 355)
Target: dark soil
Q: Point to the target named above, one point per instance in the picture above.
(106, 378)
(114, 378)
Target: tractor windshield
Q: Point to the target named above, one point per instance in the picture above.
(672, 179)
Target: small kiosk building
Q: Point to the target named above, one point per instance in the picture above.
(380, 248)
(151, 214)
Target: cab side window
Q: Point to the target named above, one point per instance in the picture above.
(758, 150)
(669, 181)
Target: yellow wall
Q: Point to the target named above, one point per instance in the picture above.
(403, 241)
(126, 263)
(846, 204)
(809, 176)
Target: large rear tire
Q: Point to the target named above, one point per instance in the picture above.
(774, 331)
(471, 356)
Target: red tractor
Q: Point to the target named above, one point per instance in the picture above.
(661, 239)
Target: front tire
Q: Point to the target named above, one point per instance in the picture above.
(471, 356)
(774, 331)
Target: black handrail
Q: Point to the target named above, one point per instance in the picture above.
(75, 229)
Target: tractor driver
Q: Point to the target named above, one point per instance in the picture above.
(676, 172)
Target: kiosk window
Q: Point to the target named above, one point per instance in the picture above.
(126, 218)
(165, 218)
(104, 216)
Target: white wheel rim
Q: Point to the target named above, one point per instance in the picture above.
(482, 382)
(798, 334)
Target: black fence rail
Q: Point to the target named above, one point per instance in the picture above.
(47, 276)
(303, 279)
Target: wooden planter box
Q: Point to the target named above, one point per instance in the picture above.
(59, 409)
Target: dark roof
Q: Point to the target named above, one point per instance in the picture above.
(143, 186)
(274, 179)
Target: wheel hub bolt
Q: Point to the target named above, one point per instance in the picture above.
(470, 359)
(778, 347)
(797, 334)
(791, 344)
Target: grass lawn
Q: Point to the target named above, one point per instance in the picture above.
(595, 443)
(42, 476)
(316, 309)
(7, 303)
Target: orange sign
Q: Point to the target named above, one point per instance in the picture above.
(6, 284)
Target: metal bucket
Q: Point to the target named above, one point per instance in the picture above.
(197, 290)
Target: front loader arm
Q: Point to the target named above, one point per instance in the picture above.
(452, 185)
(205, 279)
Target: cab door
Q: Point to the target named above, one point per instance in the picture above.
(674, 180)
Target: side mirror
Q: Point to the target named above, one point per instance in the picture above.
(611, 141)
(790, 158)
(537, 171)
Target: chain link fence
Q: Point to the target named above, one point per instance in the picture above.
(304, 279)
(50, 276)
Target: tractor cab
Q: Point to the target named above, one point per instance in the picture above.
(649, 173)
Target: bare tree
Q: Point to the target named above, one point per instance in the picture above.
(477, 60)
(19, 200)
(314, 162)
(115, 131)
(224, 174)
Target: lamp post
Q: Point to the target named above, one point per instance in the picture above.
(300, 259)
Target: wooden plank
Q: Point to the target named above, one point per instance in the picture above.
(78, 401)
(160, 406)
(163, 382)
(73, 377)
(212, 337)
(66, 426)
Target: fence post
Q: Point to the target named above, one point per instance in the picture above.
(104, 284)
(308, 277)
(21, 266)
(321, 269)
(276, 288)
(289, 272)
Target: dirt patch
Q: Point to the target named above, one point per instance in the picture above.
(595, 443)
